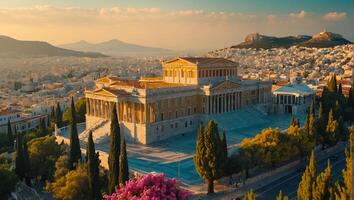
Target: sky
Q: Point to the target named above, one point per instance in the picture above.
(179, 24)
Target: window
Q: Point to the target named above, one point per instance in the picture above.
(176, 125)
(171, 125)
(189, 111)
(161, 116)
(176, 113)
(195, 110)
(170, 115)
(190, 122)
(186, 124)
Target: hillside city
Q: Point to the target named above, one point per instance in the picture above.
(211, 110)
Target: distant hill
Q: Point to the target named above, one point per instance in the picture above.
(321, 40)
(10, 47)
(113, 47)
(325, 39)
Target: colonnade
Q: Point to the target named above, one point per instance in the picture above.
(127, 111)
(226, 102)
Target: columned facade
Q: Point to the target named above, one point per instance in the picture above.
(153, 109)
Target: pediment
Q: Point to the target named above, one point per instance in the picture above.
(104, 92)
(178, 62)
(226, 85)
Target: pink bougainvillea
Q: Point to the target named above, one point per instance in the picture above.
(150, 187)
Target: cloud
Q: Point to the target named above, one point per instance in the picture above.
(174, 29)
(302, 14)
(335, 16)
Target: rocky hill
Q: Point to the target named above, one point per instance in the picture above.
(321, 40)
(10, 47)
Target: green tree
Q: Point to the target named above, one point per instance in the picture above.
(304, 191)
(114, 152)
(206, 160)
(344, 189)
(43, 154)
(351, 96)
(75, 151)
(300, 139)
(10, 136)
(332, 84)
(73, 186)
(223, 154)
(331, 137)
(123, 165)
(80, 107)
(42, 130)
(93, 164)
(321, 187)
(249, 196)
(281, 197)
(52, 114)
(320, 125)
(27, 166)
(62, 166)
(8, 181)
(20, 168)
(58, 116)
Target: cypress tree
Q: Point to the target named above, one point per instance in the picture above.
(249, 196)
(27, 167)
(20, 162)
(331, 137)
(340, 90)
(200, 153)
(332, 84)
(75, 151)
(52, 114)
(58, 116)
(114, 152)
(304, 191)
(123, 165)
(320, 125)
(93, 169)
(307, 124)
(345, 190)
(223, 152)
(10, 136)
(351, 96)
(208, 164)
(321, 187)
(281, 197)
(42, 130)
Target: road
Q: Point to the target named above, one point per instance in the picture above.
(288, 184)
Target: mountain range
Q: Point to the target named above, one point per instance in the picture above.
(10, 47)
(113, 47)
(320, 40)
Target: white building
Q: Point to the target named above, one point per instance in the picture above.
(293, 98)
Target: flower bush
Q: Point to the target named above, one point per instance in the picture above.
(150, 187)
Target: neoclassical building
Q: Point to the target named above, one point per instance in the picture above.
(191, 91)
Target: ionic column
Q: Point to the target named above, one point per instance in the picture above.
(87, 106)
(94, 106)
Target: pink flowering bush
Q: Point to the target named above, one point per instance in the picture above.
(150, 187)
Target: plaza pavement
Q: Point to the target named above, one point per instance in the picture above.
(174, 157)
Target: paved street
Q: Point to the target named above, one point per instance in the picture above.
(288, 184)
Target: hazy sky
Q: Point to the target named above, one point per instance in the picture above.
(179, 24)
